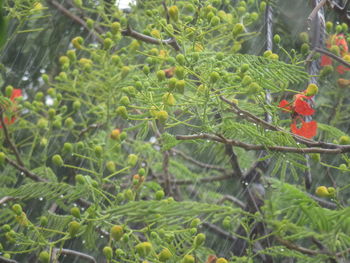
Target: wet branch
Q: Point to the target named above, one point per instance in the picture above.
(63, 251)
(252, 147)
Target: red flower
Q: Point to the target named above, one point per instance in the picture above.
(299, 108)
(285, 105)
(340, 41)
(307, 129)
(15, 94)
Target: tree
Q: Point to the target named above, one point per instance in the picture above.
(176, 131)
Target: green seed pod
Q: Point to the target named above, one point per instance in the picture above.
(78, 3)
(125, 101)
(98, 151)
(195, 222)
(122, 112)
(110, 165)
(277, 39)
(221, 260)
(304, 37)
(305, 48)
(193, 231)
(144, 249)
(338, 29)
(214, 77)
(344, 140)
(172, 83)
(119, 252)
(115, 28)
(179, 72)
(180, 58)
(344, 27)
(162, 115)
(188, 259)
(199, 240)
(160, 75)
(237, 29)
(173, 13)
(6, 228)
(75, 211)
(116, 232)
(132, 160)
(146, 69)
(343, 167)
(246, 80)
(120, 197)
(108, 252)
(254, 16)
(169, 99)
(44, 257)
(254, 88)
(76, 105)
(72, 55)
(73, 228)
(262, 6)
(180, 86)
(67, 148)
(125, 71)
(329, 26)
(57, 160)
(80, 179)
(69, 123)
(45, 78)
(2, 158)
(316, 157)
(43, 221)
(214, 21)
(42, 123)
(129, 194)
(244, 68)
(123, 135)
(17, 208)
(159, 195)
(7, 255)
(165, 255)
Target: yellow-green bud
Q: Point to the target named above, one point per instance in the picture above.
(165, 255)
(73, 228)
(199, 240)
(180, 85)
(125, 71)
(160, 75)
(169, 99)
(329, 26)
(132, 160)
(214, 77)
(237, 29)
(44, 257)
(344, 140)
(162, 115)
(98, 150)
(57, 160)
(17, 208)
(115, 27)
(188, 259)
(221, 260)
(110, 165)
(159, 194)
(195, 222)
(121, 111)
(322, 191)
(8, 90)
(180, 58)
(69, 123)
(174, 13)
(277, 39)
(116, 232)
(144, 249)
(2, 158)
(108, 252)
(311, 90)
(75, 211)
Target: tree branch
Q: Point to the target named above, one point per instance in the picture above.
(132, 33)
(252, 147)
(74, 253)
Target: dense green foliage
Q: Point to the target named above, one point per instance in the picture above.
(149, 135)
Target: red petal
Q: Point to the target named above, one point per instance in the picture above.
(307, 129)
(325, 61)
(341, 69)
(303, 108)
(340, 41)
(15, 94)
(285, 105)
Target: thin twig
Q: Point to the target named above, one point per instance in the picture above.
(75, 18)
(7, 260)
(233, 161)
(9, 141)
(75, 253)
(25, 171)
(132, 33)
(252, 147)
(202, 180)
(232, 199)
(315, 10)
(330, 54)
(198, 163)
(5, 199)
(217, 230)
